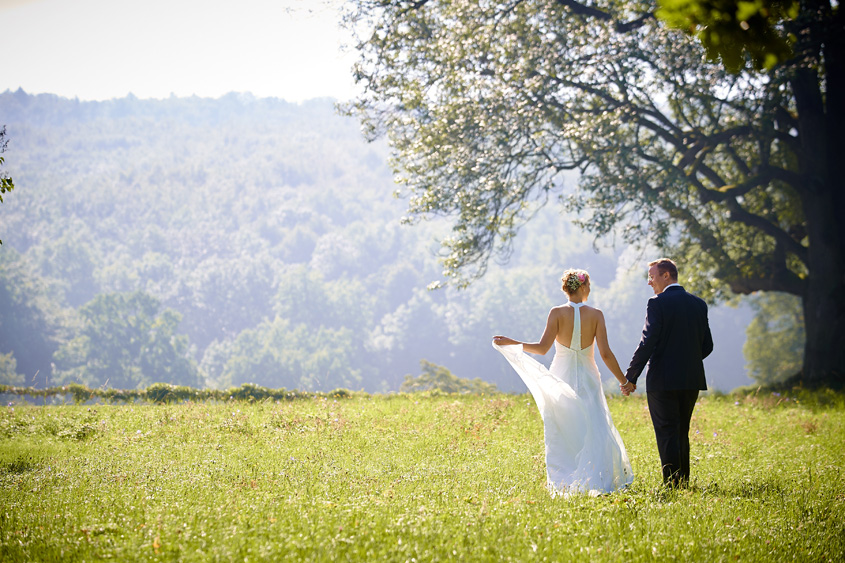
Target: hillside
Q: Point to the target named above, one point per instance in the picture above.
(216, 242)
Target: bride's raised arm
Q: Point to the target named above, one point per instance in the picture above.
(606, 353)
(546, 341)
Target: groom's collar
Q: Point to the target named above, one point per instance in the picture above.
(671, 285)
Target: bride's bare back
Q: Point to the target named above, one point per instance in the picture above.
(591, 319)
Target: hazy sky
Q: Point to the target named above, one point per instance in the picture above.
(102, 49)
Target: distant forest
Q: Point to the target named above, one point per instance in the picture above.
(215, 242)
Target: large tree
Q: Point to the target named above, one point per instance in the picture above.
(488, 105)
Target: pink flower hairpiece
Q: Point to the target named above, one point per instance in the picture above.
(582, 278)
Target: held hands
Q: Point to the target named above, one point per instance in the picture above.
(627, 388)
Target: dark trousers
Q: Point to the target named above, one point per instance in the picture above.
(671, 412)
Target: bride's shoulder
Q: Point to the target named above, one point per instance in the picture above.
(595, 311)
(559, 311)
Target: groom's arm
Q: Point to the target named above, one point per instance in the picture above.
(707, 345)
(651, 332)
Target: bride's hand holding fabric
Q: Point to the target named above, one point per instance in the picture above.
(505, 341)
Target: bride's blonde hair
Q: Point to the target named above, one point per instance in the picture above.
(573, 279)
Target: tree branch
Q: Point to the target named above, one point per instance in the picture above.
(589, 11)
(737, 213)
(679, 144)
(634, 24)
(782, 238)
(711, 141)
(583, 10)
(775, 277)
(765, 175)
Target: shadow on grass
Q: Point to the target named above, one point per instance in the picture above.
(750, 490)
(18, 466)
(762, 489)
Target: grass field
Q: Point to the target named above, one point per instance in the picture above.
(407, 477)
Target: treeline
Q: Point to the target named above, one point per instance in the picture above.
(212, 243)
(162, 393)
(433, 381)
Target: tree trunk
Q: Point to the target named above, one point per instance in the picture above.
(824, 300)
(822, 131)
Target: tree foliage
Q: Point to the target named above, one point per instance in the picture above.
(6, 183)
(9, 370)
(126, 342)
(279, 353)
(434, 377)
(30, 320)
(775, 338)
(737, 32)
(489, 105)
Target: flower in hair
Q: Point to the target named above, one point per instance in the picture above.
(573, 279)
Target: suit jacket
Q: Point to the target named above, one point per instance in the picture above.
(676, 339)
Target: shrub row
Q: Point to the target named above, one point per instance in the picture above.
(165, 393)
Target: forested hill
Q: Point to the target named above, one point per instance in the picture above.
(222, 241)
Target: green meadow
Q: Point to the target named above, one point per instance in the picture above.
(417, 477)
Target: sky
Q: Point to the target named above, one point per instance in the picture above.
(104, 49)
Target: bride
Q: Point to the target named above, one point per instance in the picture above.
(584, 452)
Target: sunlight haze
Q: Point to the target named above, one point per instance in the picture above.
(103, 49)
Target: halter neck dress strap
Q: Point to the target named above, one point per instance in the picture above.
(575, 343)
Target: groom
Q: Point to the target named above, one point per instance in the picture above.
(676, 339)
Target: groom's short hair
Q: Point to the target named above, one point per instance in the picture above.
(665, 265)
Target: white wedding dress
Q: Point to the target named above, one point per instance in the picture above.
(584, 452)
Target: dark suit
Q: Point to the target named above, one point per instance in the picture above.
(676, 339)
